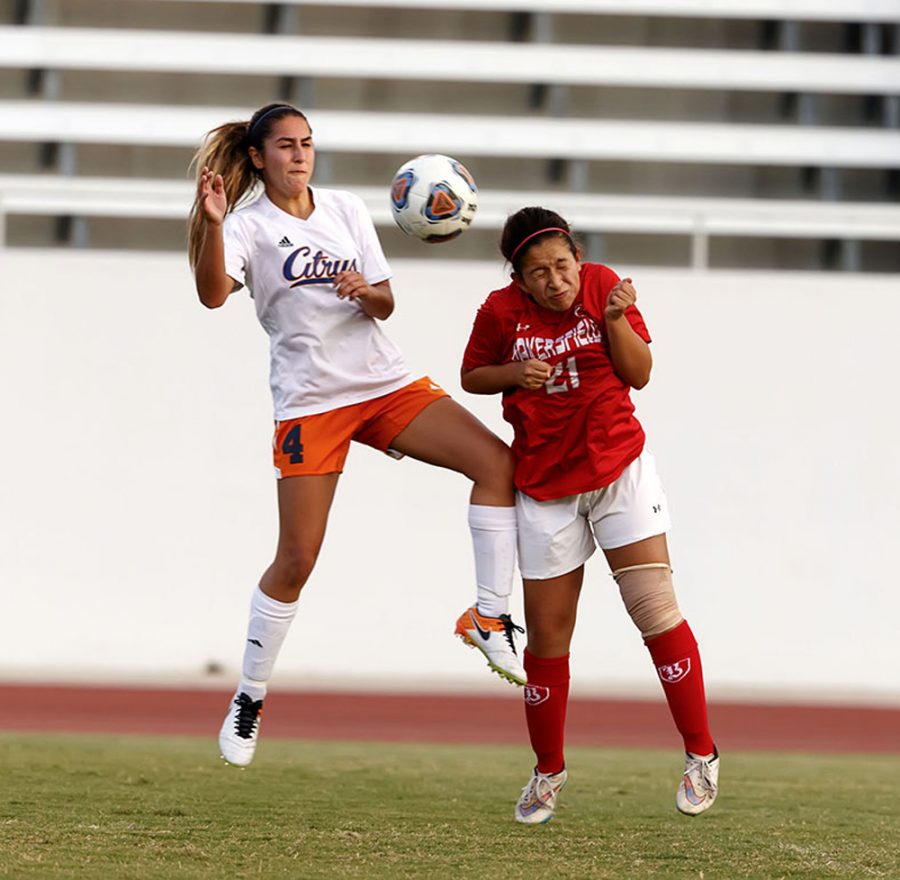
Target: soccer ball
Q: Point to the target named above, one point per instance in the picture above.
(434, 198)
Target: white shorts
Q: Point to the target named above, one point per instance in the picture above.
(557, 536)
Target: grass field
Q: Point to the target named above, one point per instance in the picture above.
(121, 807)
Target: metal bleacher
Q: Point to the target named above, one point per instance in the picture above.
(697, 218)
(534, 132)
(119, 50)
(339, 131)
(810, 10)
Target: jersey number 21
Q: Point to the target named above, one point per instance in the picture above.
(563, 378)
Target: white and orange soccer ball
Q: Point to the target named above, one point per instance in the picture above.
(434, 198)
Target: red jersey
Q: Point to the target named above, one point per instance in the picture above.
(578, 432)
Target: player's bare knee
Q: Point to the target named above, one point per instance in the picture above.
(549, 633)
(293, 568)
(506, 463)
(494, 468)
(649, 597)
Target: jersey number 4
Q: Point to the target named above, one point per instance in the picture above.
(292, 445)
(563, 378)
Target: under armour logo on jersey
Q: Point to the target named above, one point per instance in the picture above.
(285, 242)
(536, 694)
(674, 672)
(520, 327)
(657, 508)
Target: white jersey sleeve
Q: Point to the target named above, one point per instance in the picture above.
(374, 266)
(238, 248)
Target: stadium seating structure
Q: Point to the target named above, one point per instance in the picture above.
(766, 136)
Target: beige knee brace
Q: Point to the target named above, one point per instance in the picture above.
(649, 597)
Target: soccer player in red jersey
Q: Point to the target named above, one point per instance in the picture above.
(564, 344)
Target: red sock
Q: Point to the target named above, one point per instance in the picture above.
(546, 697)
(677, 660)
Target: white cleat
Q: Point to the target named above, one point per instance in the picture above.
(699, 784)
(495, 638)
(537, 804)
(240, 730)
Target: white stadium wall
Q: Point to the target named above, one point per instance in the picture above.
(138, 503)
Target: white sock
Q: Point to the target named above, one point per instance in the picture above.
(494, 540)
(270, 621)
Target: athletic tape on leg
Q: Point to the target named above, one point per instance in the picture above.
(649, 597)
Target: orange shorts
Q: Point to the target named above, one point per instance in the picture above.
(318, 444)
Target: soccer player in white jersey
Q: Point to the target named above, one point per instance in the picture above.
(564, 344)
(313, 264)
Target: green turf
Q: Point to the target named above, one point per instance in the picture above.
(142, 807)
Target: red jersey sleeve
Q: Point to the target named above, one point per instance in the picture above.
(487, 345)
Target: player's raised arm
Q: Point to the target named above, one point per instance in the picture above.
(630, 355)
(213, 283)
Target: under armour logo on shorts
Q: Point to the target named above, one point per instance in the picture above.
(674, 672)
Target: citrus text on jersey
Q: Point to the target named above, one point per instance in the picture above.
(318, 270)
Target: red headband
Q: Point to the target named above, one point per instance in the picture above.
(528, 238)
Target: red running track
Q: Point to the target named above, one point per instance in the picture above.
(446, 719)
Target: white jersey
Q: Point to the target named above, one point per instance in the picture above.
(326, 352)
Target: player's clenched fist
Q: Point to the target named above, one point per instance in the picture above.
(351, 285)
(620, 298)
(533, 373)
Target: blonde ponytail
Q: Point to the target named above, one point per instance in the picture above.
(224, 151)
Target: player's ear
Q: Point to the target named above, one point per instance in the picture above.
(256, 158)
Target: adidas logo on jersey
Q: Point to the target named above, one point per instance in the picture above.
(285, 242)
